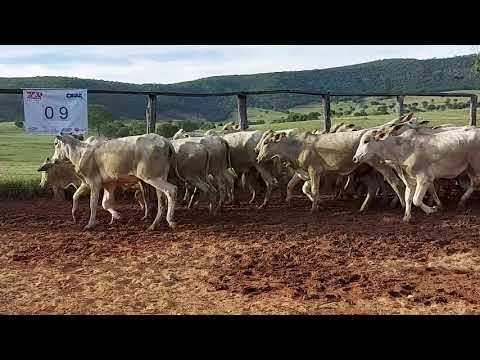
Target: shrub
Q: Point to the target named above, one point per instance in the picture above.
(360, 113)
(207, 126)
(19, 124)
(123, 131)
(167, 129)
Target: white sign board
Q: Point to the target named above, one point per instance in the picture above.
(55, 111)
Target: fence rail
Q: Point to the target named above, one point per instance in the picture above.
(151, 110)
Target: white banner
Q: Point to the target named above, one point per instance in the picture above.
(55, 111)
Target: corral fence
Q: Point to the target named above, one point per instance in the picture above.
(151, 110)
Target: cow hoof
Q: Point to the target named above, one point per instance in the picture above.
(432, 210)
(151, 228)
(406, 219)
(172, 225)
(89, 226)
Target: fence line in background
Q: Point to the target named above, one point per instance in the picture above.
(151, 113)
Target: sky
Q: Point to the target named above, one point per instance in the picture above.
(166, 64)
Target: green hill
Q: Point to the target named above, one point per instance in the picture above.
(383, 75)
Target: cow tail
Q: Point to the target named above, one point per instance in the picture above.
(207, 166)
(229, 160)
(173, 161)
(244, 180)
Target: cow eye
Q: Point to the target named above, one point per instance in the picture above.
(366, 141)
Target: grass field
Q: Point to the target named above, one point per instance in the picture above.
(458, 117)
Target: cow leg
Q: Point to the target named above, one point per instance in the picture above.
(467, 194)
(190, 203)
(138, 197)
(314, 187)
(252, 190)
(409, 191)
(187, 193)
(372, 189)
(270, 183)
(144, 199)
(170, 191)
(435, 197)
(58, 194)
(291, 186)
(209, 192)
(94, 195)
(222, 190)
(307, 190)
(109, 201)
(392, 179)
(423, 185)
(79, 192)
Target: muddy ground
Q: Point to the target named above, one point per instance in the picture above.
(276, 261)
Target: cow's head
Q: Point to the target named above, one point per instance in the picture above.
(270, 145)
(63, 144)
(371, 143)
(47, 164)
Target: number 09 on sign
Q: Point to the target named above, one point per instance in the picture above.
(62, 113)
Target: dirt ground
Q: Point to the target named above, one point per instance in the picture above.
(275, 261)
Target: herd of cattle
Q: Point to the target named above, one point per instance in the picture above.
(405, 157)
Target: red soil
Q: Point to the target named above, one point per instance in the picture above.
(278, 260)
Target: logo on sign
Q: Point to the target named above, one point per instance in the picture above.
(74, 95)
(34, 95)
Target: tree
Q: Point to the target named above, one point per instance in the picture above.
(425, 104)
(123, 131)
(476, 63)
(167, 129)
(98, 117)
(382, 110)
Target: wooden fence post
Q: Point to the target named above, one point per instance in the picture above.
(242, 112)
(400, 107)
(473, 110)
(327, 121)
(151, 113)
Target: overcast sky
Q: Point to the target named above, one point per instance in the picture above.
(170, 64)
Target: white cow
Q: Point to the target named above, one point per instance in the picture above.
(108, 164)
(421, 158)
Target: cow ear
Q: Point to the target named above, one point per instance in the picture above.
(408, 117)
(381, 136)
(44, 167)
(59, 137)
